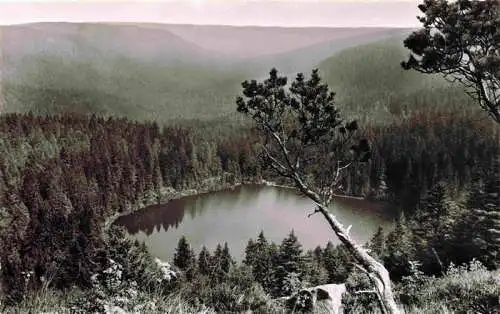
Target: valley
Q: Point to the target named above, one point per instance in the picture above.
(136, 161)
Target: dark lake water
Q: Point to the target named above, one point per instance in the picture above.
(235, 216)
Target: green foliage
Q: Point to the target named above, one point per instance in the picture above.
(98, 167)
(184, 258)
(460, 40)
(139, 90)
(204, 261)
(400, 250)
(136, 264)
(478, 232)
(412, 283)
(372, 87)
(432, 227)
(442, 231)
(377, 245)
(260, 256)
(290, 253)
(464, 289)
(314, 273)
(359, 297)
(337, 262)
(302, 128)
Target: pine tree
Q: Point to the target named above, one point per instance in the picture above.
(220, 264)
(317, 254)
(337, 262)
(184, 257)
(482, 233)
(431, 211)
(291, 254)
(260, 255)
(289, 265)
(227, 260)
(250, 253)
(315, 273)
(400, 250)
(377, 243)
(204, 261)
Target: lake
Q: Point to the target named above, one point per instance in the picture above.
(236, 215)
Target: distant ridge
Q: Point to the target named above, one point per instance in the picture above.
(258, 41)
(156, 71)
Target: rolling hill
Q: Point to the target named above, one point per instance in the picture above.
(370, 82)
(172, 72)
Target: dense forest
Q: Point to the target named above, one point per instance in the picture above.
(72, 160)
(63, 176)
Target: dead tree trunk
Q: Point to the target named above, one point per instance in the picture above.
(375, 270)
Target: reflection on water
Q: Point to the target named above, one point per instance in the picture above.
(236, 215)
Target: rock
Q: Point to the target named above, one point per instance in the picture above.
(328, 298)
(331, 295)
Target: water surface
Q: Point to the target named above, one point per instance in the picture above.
(236, 215)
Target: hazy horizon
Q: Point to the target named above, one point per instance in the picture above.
(284, 13)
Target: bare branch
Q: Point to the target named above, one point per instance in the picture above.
(313, 213)
(365, 291)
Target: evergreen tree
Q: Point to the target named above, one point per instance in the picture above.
(204, 261)
(220, 264)
(430, 213)
(481, 235)
(337, 263)
(431, 228)
(226, 260)
(400, 250)
(314, 273)
(250, 253)
(317, 254)
(468, 29)
(184, 257)
(260, 256)
(377, 243)
(290, 254)
(289, 265)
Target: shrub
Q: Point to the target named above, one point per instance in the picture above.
(465, 289)
(357, 299)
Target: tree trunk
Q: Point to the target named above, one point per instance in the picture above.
(375, 270)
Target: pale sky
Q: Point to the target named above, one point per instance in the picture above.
(300, 13)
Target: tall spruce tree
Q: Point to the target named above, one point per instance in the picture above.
(482, 233)
(290, 254)
(184, 257)
(250, 253)
(289, 266)
(204, 261)
(377, 243)
(337, 262)
(400, 249)
(432, 227)
(226, 259)
(260, 255)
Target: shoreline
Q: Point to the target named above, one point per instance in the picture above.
(167, 194)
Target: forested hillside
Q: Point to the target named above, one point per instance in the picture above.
(99, 127)
(153, 72)
(102, 166)
(369, 82)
